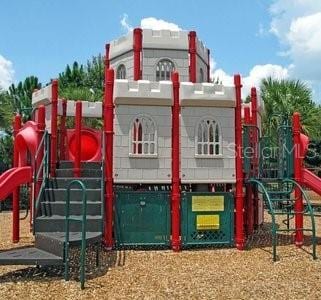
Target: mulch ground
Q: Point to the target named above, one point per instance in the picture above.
(192, 274)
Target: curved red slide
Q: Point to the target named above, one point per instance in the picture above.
(13, 178)
(311, 180)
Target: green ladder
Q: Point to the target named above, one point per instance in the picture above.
(83, 220)
(277, 195)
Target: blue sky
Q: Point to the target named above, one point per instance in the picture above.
(253, 37)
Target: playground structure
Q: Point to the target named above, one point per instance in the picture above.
(169, 168)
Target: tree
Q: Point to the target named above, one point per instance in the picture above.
(282, 98)
(83, 83)
(21, 96)
(6, 110)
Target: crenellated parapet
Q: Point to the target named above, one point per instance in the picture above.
(120, 46)
(207, 94)
(143, 92)
(42, 96)
(165, 39)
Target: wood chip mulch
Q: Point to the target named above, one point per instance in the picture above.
(193, 274)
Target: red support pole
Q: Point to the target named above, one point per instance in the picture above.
(249, 190)
(239, 198)
(298, 162)
(16, 192)
(176, 195)
(107, 59)
(63, 131)
(77, 162)
(256, 154)
(41, 116)
(208, 66)
(192, 56)
(137, 47)
(54, 114)
(109, 142)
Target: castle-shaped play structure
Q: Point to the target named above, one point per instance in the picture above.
(169, 167)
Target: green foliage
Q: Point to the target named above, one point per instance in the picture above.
(283, 98)
(6, 110)
(6, 152)
(83, 83)
(21, 96)
(313, 157)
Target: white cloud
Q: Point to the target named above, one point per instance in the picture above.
(256, 74)
(148, 23)
(6, 72)
(126, 27)
(297, 25)
(158, 24)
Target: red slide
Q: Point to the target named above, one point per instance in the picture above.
(311, 180)
(12, 178)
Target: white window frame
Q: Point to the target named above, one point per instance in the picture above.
(159, 62)
(205, 143)
(135, 143)
(121, 70)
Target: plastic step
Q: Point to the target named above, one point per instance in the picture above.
(90, 183)
(58, 208)
(56, 223)
(53, 242)
(90, 173)
(29, 256)
(84, 165)
(54, 195)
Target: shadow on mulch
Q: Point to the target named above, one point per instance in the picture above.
(107, 260)
(262, 239)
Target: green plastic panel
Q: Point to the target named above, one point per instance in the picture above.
(142, 218)
(218, 207)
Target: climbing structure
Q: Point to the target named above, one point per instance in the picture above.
(277, 177)
(169, 166)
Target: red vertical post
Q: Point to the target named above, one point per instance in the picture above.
(249, 191)
(208, 66)
(176, 181)
(41, 116)
(107, 59)
(78, 117)
(137, 47)
(16, 192)
(192, 56)
(109, 142)
(54, 114)
(255, 139)
(298, 161)
(239, 198)
(63, 131)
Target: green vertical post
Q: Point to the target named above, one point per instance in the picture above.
(83, 221)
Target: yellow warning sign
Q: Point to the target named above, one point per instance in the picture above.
(207, 203)
(207, 222)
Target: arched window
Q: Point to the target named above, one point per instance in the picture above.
(143, 137)
(208, 138)
(201, 75)
(121, 72)
(164, 69)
